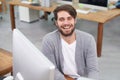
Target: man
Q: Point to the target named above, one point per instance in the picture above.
(72, 51)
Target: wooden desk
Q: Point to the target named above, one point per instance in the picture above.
(5, 62)
(100, 17)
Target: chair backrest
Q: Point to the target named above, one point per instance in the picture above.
(3, 6)
(0, 6)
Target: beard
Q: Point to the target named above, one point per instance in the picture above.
(66, 34)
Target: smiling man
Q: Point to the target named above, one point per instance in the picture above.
(72, 51)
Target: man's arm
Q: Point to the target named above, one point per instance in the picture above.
(68, 78)
(91, 59)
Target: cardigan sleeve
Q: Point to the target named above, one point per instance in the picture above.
(91, 59)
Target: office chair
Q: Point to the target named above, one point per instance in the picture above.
(0, 9)
(3, 7)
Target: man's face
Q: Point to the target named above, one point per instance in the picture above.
(65, 23)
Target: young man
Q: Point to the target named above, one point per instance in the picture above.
(72, 51)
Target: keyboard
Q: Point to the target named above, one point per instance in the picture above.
(26, 2)
(82, 11)
(35, 4)
(32, 3)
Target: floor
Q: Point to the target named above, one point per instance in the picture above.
(109, 62)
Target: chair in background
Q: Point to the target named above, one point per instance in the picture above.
(3, 7)
(0, 9)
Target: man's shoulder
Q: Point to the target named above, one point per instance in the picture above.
(52, 35)
(83, 33)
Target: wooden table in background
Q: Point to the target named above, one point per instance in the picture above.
(5, 62)
(100, 17)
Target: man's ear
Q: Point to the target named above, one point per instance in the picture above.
(75, 20)
(55, 22)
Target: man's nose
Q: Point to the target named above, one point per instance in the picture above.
(66, 22)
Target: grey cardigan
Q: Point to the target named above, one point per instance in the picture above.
(85, 54)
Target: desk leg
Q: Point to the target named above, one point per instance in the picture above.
(99, 39)
(12, 17)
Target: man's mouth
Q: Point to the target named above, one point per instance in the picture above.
(66, 26)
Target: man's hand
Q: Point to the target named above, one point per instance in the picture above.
(68, 78)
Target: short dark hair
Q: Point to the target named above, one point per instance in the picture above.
(68, 8)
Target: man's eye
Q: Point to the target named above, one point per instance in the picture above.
(69, 18)
(61, 19)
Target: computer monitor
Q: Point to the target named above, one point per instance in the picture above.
(94, 4)
(29, 62)
(65, 1)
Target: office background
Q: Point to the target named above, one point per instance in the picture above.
(109, 62)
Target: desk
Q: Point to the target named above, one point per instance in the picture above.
(5, 62)
(99, 17)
